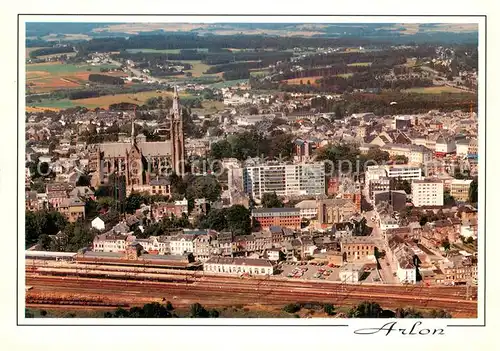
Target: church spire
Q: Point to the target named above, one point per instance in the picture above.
(132, 134)
(175, 103)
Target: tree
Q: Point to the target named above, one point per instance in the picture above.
(44, 241)
(206, 187)
(366, 310)
(338, 112)
(253, 110)
(271, 200)
(408, 313)
(292, 308)
(198, 311)
(400, 159)
(169, 306)
(473, 191)
(329, 309)
(133, 202)
(215, 219)
(83, 180)
(448, 200)
(439, 314)
(213, 313)
(238, 220)
(445, 244)
(221, 149)
(400, 184)
(377, 155)
(42, 222)
(28, 313)
(149, 310)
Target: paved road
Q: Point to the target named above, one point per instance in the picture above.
(386, 266)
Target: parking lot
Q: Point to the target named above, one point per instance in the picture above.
(319, 273)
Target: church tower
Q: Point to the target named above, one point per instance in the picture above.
(135, 167)
(177, 136)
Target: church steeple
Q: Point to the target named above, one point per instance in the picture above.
(132, 134)
(175, 104)
(177, 136)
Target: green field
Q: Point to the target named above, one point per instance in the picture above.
(359, 64)
(161, 51)
(209, 106)
(228, 83)
(64, 68)
(259, 72)
(49, 103)
(198, 68)
(434, 90)
(345, 75)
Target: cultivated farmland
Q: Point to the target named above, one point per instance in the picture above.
(47, 77)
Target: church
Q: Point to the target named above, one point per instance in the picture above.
(141, 161)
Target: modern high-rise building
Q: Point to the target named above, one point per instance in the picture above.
(427, 192)
(289, 180)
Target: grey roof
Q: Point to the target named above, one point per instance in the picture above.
(152, 148)
(240, 261)
(102, 254)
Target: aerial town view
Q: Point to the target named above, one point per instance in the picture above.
(251, 170)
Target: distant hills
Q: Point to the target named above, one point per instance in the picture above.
(397, 33)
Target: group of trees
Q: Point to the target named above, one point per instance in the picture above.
(235, 219)
(253, 144)
(194, 41)
(369, 309)
(42, 223)
(347, 158)
(157, 310)
(105, 79)
(51, 51)
(271, 200)
(52, 232)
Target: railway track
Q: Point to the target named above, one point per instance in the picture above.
(429, 292)
(229, 292)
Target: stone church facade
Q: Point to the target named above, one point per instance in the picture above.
(139, 161)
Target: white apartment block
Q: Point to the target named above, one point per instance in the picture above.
(404, 172)
(285, 179)
(427, 192)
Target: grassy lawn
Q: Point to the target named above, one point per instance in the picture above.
(359, 64)
(53, 104)
(228, 83)
(259, 72)
(198, 68)
(209, 106)
(345, 75)
(434, 90)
